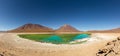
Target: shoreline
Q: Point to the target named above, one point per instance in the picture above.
(21, 46)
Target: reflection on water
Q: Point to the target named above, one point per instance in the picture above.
(53, 39)
(80, 36)
(57, 39)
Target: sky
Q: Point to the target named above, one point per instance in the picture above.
(81, 14)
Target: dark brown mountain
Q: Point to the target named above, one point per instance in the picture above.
(67, 28)
(32, 28)
(117, 30)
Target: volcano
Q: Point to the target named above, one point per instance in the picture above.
(32, 28)
(67, 28)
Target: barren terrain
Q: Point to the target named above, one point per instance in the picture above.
(13, 45)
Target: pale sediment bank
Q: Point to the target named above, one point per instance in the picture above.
(12, 44)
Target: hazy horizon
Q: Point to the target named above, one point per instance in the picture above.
(82, 14)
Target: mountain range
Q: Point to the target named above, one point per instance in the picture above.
(116, 30)
(65, 28)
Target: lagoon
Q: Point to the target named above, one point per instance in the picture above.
(55, 38)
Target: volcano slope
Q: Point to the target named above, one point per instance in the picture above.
(33, 28)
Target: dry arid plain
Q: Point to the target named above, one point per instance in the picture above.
(13, 45)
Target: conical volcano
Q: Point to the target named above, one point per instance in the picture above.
(67, 28)
(32, 28)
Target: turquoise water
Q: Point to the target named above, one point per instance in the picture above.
(53, 39)
(57, 39)
(80, 36)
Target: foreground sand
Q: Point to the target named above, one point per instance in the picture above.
(12, 45)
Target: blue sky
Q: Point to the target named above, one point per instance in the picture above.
(82, 14)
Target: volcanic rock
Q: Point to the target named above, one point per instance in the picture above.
(111, 49)
(67, 28)
(32, 28)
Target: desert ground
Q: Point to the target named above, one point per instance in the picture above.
(13, 45)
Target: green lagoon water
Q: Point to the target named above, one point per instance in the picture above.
(54, 38)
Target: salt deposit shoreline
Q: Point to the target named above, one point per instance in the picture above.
(13, 44)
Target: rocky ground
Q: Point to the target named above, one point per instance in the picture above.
(111, 49)
(5, 50)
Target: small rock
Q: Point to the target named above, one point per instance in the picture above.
(109, 43)
(102, 51)
(114, 40)
(118, 38)
(1, 55)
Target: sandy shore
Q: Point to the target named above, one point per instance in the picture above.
(12, 45)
